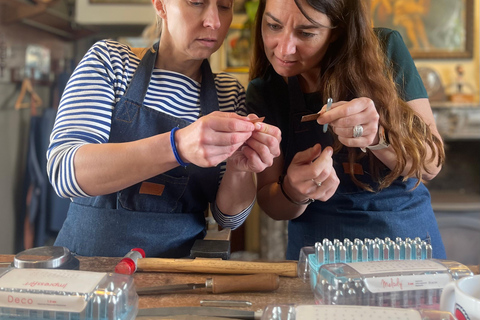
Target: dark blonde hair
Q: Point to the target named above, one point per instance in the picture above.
(355, 66)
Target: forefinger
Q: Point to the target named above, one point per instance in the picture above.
(233, 123)
(339, 110)
(265, 128)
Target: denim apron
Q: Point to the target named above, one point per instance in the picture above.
(163, 215)
(397, 211)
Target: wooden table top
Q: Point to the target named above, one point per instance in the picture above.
(291, 290)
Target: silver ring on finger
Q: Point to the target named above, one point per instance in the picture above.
(319, 184)
(357, 131)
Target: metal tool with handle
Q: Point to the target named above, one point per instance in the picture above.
(222, 284)
(195, 312)
(285, 268)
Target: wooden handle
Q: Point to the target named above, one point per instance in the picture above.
(248, 283)
(285, 268)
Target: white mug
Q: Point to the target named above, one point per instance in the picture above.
(462, 298)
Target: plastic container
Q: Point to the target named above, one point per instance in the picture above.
(326, 252)
(47, 294)
(316, 312)
(394, 283)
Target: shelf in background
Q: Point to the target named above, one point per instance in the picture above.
(47, 16)
(450, 104)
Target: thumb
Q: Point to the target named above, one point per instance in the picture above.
(307, 156)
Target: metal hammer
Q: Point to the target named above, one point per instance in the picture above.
(128, 265)
(216, 244)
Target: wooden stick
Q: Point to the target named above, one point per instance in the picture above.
(205, 265)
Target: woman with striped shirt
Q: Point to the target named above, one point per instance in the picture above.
(143, 146)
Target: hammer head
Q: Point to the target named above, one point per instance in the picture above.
(210, 249)
(128, 265)
(216, 244)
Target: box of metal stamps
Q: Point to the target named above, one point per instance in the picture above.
(336, 251)
(390, 283)
(53, 294)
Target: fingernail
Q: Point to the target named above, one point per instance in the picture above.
(258, 126)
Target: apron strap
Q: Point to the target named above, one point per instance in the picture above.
(208, 91)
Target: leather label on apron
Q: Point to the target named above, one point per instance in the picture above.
(357, 168)
(154, 189)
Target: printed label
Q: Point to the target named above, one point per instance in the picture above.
(43, 302)
(49, 284)
(407, 283)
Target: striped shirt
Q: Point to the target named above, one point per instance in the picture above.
(97, 84)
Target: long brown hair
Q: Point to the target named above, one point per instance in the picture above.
(355, 65)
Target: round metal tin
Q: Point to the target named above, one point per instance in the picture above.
(48, 257)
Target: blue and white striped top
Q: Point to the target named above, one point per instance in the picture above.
(98, 83)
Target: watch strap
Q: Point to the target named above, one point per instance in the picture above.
(382, 142)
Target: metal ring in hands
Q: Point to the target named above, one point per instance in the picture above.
(357, 131)
(319, 184)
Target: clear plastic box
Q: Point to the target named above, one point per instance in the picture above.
(53, 294)
(326, 252)
(316, 312)
(393, 283)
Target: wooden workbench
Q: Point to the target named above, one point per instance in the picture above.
(291, 290)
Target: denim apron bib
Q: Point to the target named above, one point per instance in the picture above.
(163, 215)
(397, 211)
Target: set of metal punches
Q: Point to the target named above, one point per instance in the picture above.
(398, 284)
(371, 250)
(377, 272)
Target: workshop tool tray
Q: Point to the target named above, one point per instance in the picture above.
(53, 294)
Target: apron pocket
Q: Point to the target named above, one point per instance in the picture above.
(162, 193)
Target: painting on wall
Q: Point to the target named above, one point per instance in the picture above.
(430, 28)
(236, 48)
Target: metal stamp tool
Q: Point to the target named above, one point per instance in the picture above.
(329, 106)
(225, 303)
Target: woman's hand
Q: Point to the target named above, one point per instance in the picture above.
(345, 115)
(213, 138)
(259, 150)
(311, 175)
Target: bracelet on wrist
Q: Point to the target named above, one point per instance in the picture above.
(298, 203)
(174, 148)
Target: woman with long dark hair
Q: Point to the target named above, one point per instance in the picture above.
(356, 169)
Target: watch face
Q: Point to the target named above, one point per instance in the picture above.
(433, 84)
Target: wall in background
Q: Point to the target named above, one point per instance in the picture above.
(112, 13)
(446, 67)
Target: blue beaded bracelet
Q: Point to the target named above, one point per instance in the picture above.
(174, 148)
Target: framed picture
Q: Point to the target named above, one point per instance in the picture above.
(430, 28)
(236, 48)
(121, 1)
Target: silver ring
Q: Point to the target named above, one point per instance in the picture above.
(319, 184)
(357, 131)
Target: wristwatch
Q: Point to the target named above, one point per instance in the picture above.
(382, 142)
